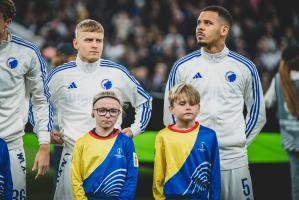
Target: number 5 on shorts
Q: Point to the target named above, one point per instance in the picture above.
(246, 188)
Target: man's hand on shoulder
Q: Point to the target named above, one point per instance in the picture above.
(128, 132)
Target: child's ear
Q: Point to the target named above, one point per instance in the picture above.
(92, 115)
(170, 108)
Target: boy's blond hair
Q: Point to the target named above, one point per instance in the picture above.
(89, 25)
(178, 90)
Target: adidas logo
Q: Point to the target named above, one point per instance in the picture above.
(197, 75)
(72, 85)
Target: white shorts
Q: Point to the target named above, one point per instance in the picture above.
(18, 172)
(63, 189)
(236, 184)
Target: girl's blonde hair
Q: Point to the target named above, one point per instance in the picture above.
(106, 94)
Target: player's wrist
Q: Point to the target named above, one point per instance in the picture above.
(44, 147)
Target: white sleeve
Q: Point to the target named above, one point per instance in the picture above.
(35, 83)
(141, 101)
(270, 96)
(173, 79)
(254, 101)
(54, 86)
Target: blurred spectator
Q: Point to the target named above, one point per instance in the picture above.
(114, 50)
(175, 42)
(160, 78)
(65, 52)
(122, 24)
(284, 94)
(141, 74)
(269, 54)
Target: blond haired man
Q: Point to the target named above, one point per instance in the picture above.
(72, 87)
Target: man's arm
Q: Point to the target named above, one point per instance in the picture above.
(142, 102)
(35, 86)
(173, 79)
(254, 101)
(168, 118)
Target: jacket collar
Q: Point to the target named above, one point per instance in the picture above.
(87, 67)
(216, 57)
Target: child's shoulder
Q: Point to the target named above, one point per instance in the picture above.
(163, 131)
(164, 134)
(124, 137)
(206, 131)
(2, 142)
(86, 136)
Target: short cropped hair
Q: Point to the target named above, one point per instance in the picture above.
(222, 12)
(89, 25)
(106, 94)
(8, 9)
(191, 93)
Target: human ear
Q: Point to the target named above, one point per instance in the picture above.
(75, 43)
(224, 30)
(7, 23)
(171, 109)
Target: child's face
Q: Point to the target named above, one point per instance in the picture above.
(106, 112)
(182, 109)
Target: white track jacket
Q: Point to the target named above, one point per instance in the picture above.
(22, 74)
(225, 81)
(73, 85)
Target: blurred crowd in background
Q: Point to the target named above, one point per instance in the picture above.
(149, 36)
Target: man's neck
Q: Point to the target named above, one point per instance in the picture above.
(214, 48)
(4, 36)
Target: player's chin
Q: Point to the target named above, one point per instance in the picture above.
(201, 43)
(93, 58)
(107, 124)
(189, 116)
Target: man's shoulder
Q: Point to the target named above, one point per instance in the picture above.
(24, 44)
(110, 65)
(240, 59)
(117, 70)
(187, 58)
(57, 71)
